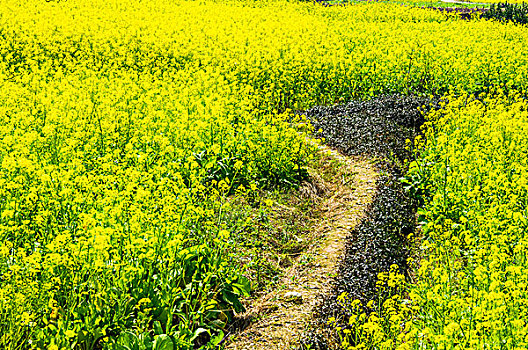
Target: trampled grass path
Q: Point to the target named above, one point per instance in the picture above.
(280, 317)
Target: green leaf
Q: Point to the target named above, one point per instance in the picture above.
(218, 324)
(217, 339)
(145, 342)
(197, 333)
(157, 328)
(243, 285)
(127, 341)
(245, 282)
(232, 299)
(163, 342)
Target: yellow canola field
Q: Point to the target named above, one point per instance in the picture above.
(471, 290)
(469, 286)
(125, 124)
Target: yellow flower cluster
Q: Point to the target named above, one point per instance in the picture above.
(470, 288)
(381, 324)
(124, 124)
(471, 285)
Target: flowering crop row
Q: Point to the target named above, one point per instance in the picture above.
(471, 285)
(469, 291)
(124, 125)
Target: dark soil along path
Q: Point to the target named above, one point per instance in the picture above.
(379, 128)
(363, 230)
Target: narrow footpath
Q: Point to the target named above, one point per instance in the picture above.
(282, 315)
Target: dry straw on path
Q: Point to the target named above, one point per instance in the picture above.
(280, 316)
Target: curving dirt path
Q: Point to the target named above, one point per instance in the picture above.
(282, 315)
